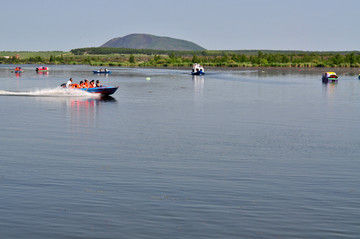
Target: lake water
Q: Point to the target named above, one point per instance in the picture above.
(238, 153)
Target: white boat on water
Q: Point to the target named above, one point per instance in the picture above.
(197, 69)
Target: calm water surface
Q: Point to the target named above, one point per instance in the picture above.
(262, 153)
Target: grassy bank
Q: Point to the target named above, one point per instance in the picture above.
(155, 58)
(28, 54)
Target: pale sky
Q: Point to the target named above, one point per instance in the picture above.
(313, 25)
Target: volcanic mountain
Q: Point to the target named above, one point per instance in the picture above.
(147, 41)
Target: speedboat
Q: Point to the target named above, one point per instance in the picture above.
(103, 90)
(329, 77)
(42, 69)
(197, 69)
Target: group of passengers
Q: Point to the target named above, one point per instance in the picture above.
(83, 84)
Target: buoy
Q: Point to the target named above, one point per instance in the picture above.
(148, 78)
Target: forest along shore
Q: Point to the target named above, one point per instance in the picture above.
(161, 58)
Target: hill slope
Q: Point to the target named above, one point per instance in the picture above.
(147, 41)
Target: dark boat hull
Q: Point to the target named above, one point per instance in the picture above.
(102, 72)
(103, 90)
(198, 73)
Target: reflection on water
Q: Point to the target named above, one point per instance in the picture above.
(85, 112)
(198, 86)
(82, 112)
(329, 89)
(103, 75)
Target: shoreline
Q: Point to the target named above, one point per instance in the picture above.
(186, 59)
(190, 65)
(338, 70)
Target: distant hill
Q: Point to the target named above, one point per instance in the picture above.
(147, 41)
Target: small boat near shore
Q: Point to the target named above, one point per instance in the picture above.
(42, 69)
(18, 70)
(102, 71)
(197, 69)
(103, 90)
(329, 77)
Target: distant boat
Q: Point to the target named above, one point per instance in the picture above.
(197, 69)
(101, 71)
(18, 70)
(42, 69)
(329, 77)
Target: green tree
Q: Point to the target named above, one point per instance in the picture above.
(195, 59)
(156, 58)
(224, 58)
(350, 58)
(284, 59)
(336, 60)
(242, 58)
(171, 55)
(263, 62)
(132, 59)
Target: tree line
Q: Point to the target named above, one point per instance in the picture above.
(101, 56)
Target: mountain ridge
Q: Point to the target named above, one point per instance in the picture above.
(148, 41)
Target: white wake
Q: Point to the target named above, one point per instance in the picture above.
(51, 92)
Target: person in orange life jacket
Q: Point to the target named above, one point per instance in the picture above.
(75, 85)
(86, 84)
